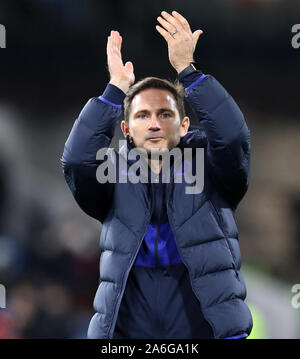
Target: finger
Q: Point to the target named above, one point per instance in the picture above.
(109, 52)
(169, 27)
(129, 66)
(196, 35)
(118, 40)
(110, 41)
(165, 34)
(116, 44)
(114, 40)
(182, 20)
(172, 20)
(113, 52)
(108, 46)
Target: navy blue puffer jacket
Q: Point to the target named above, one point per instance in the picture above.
(203, 223)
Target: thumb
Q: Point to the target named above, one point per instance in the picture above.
(196, 35)
(129, 66)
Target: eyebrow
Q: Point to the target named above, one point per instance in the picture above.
(158, 111)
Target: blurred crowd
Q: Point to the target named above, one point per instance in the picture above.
(50, 279)
(48, 265)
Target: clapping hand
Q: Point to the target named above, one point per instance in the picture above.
(176, 30)
(121, 75)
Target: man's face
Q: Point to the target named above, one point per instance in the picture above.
(154, 121)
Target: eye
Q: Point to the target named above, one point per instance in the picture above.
(165, 115)
(141, 116)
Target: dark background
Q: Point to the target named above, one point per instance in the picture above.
(54, 61)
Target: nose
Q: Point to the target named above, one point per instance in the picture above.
(154, 122)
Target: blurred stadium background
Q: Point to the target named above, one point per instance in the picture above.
(54, 62)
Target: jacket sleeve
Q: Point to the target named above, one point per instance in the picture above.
(93, 129)
(228, 137)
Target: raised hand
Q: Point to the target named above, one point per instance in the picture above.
(121, 75)
(175, 29)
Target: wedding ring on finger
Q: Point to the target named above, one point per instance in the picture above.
(174, 32)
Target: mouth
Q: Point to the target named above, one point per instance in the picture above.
(155, 139)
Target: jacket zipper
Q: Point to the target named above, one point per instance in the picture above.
(120, 293)
(156, 245)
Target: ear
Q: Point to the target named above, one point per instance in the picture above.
(125, 128)
(184, 126)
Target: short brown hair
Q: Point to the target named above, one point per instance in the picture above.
(176, 89)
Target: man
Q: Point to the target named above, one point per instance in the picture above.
(170, 260)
